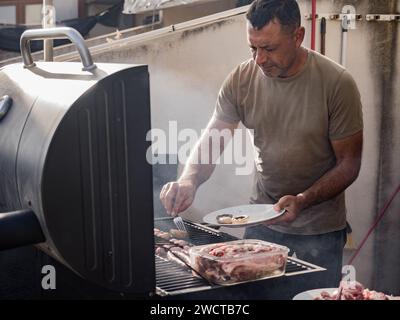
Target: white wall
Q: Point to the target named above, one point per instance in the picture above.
(66, 9)
(8, 14)
(33, 14)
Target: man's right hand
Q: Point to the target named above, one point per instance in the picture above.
(177, 196)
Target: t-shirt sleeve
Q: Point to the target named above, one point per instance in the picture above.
(226, 105)
(345, 109)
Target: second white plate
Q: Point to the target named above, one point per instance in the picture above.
(257, 213)
(313, 294)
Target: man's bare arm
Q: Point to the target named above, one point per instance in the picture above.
(177, 196)
(348, 162)
(200, 166)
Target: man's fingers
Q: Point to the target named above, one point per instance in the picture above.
(185, 204)
(179, 198)
(283, 203)
(163, 193)
(284, 218)
(277, 207)
(170, 197)
(287, 217)
(275, 221)
(176, 197)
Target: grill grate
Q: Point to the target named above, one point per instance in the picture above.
(199, 235)
(173, 279)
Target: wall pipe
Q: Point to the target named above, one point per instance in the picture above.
(313, 23)
(343, 50)
(323, 34)
(48, 21)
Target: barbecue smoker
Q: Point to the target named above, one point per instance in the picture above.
(74, 180)
(73, 172)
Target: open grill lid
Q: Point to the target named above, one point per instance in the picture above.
(73, 157)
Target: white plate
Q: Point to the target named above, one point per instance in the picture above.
(312, 294)
(257, 213)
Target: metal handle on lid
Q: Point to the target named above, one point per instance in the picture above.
(55, 33)
(19, 228)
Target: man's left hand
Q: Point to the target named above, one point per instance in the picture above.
(292, 205)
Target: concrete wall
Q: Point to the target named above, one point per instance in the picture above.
(188, 64)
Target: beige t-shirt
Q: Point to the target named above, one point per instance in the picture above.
(294, 120)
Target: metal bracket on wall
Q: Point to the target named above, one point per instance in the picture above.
(357, 17)
(383, 17)
(334, 16)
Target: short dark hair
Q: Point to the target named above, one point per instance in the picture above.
(262, 12)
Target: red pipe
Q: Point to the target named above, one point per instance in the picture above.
(380, 216)
(376, 222)
(313, 23)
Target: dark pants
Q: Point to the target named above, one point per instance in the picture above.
(324, 250)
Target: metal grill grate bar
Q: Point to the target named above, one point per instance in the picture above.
(173, 278)
(181, 284)
(171, 275)
(292, 266)
(201, 235)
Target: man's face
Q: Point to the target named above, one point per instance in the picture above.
(274, 49)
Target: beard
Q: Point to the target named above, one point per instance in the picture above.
(272, 71)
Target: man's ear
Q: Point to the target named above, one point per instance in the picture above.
(299, 36)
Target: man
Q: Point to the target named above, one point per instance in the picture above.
(305, 111)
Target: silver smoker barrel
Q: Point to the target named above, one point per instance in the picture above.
(73, 160)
